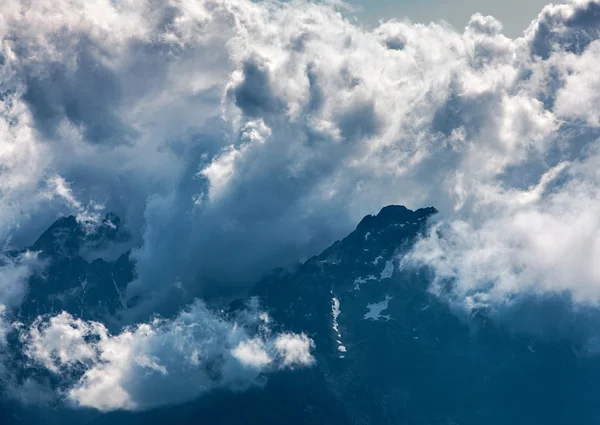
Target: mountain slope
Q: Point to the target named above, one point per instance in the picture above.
(388, 351)
(92, 289)
(394, 353)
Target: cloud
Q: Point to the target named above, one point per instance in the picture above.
(234, 136)
(534, 242)
(90, 216)
(163, 361)
(295, 349)
(567, 27)
(578, 98)
(251, 353)
(15, 271)
(508, 240)
(4, 326)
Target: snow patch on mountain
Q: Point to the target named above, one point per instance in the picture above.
(335, 311)
(388, 271)
(357, 283)
(376, 309)
(360, 280)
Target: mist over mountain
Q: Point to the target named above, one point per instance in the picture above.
(200, 215)
(353, 335)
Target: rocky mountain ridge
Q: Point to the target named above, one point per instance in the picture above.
(387, 350)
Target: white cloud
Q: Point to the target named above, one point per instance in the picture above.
(15, 271)
(4, 327)
(295, 349)
(252, 353)
(22, 160)
(89, 216)
(537, 242)
(62, 341)
(14, 275)
(580, 95)
(163, 361)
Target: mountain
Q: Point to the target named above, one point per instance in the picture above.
(90, 289)
(396, 354)
(387, 350)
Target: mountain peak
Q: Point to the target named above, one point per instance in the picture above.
(75, 281)
(62, 237)
(67, 236)
(394, 214)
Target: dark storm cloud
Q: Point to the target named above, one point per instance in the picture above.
(89, 97)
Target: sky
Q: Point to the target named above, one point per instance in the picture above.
(514, 15)
(234, 136)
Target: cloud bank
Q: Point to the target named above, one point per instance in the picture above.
(232, 132)
(164, 361)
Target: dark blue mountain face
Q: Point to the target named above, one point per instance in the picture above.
(396, 353)
(387, 351)
(91, 290)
